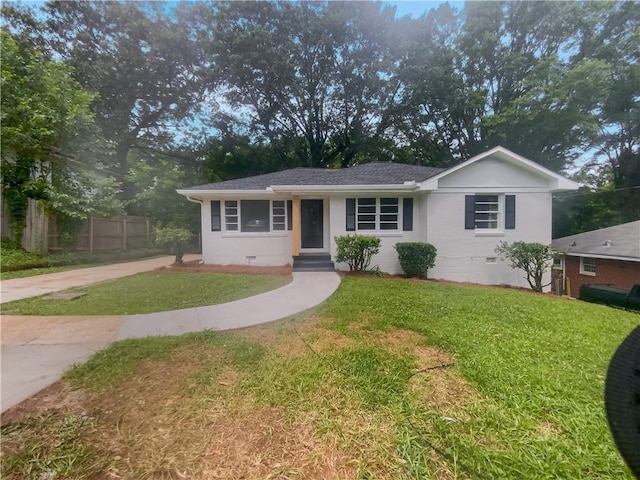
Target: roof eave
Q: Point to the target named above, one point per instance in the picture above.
(225, 193)
(406, 187)
(600, 255)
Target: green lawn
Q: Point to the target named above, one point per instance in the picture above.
(16, 263)
(389, 379)
(148, 292)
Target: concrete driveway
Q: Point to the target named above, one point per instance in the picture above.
(36, 350)
(19, 288)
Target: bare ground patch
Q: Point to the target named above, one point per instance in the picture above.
(297, 338)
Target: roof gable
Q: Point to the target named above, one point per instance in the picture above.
(554, 181)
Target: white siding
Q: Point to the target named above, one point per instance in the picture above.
(387, 259)
(491, 172)
(463, 254)
(219, 248)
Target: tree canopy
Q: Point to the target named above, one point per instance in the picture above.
(210, 90)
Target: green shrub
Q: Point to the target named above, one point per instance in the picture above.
(416, 258)
(356, 251)
(176, 238)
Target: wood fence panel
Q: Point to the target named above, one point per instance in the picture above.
(114, 233)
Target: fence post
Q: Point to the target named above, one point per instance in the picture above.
(124, 233)
(90, 233)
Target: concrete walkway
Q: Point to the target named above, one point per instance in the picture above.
(36, 350)
(19, 288)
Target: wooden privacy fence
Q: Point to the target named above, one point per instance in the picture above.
(114, 233)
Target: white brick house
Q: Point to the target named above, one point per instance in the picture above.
(463, 211)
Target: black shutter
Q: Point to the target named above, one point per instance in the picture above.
(407, 214)
(351, 214)
(216, 224)
(510, 212)
(289, 215)
(470, 212)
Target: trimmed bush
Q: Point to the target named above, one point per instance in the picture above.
(356, 251)
(416, 258)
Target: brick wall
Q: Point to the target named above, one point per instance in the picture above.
(614, 272)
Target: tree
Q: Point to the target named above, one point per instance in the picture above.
(312, 78)
(157, 177)
(143, 63)
(609, 32)
(47, 130)
(533, 258)
(176, 238)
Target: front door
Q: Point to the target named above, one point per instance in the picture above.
(311, 224)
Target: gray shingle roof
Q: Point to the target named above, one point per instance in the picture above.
(374, 173)
(617, 241)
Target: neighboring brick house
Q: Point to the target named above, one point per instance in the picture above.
(607, 256)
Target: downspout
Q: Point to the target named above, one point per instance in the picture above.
(201, 202)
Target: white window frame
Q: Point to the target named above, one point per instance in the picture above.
(377, 213)
(231, 211)
(589, 268)
(278, 217)
(499, 221)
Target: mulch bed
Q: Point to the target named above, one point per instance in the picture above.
(196, 266)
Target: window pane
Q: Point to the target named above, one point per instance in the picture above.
(367, 209)
(366, 218)
(588, 265)
(231, 215)
(388, 226)
(487, 212)
(389, 218)
(367, 201)
(254, 215)
(389, 209)
(389, 201)
(366, 226)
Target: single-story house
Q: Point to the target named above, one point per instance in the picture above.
(464, 211)
(606, 256)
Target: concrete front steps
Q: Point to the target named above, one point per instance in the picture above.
(313, 262)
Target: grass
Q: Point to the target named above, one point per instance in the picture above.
(17, 263)
(389, 379)
(150, 292)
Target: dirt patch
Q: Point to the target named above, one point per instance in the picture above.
(547, 430)
(398, 339)
(195, 266)
(295, 338)
(263, 443)
(55, 398)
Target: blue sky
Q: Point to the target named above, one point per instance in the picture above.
(415, 9)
